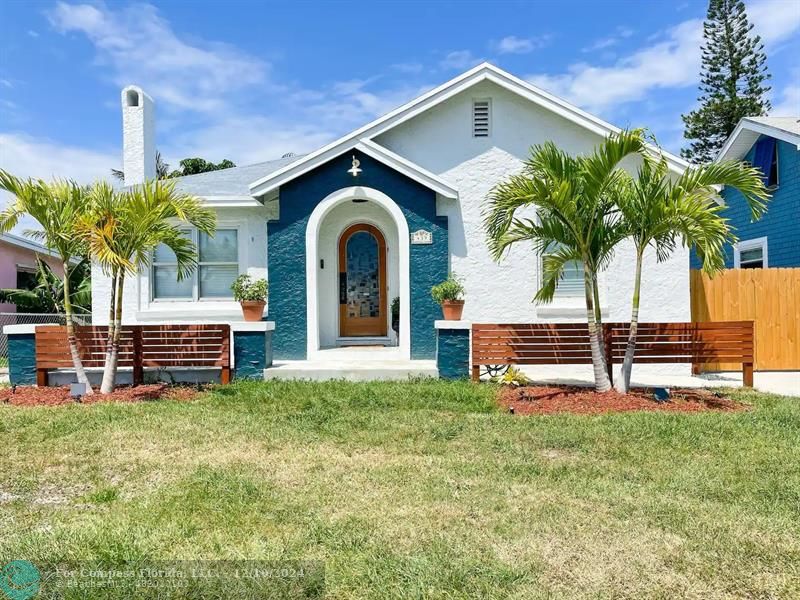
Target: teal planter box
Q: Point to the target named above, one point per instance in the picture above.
(452, 349)
(252, 353)
(22, 359)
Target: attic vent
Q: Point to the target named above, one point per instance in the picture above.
(481, 114)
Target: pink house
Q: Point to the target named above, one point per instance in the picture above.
(18, 263)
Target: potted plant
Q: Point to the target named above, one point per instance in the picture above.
(252, 295)
(450, 294)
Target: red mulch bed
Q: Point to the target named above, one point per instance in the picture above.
(52, 396)
(536, 400)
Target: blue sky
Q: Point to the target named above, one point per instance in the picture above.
(250, 81)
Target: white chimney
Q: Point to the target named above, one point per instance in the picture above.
(138, 136)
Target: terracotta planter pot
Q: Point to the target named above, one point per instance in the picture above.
(452, 309)
(253, 310)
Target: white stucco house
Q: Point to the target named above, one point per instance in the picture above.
(338, 244)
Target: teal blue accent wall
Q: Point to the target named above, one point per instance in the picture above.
(780, 223)
(452, 353)
(22, 359)
(252, 353)
(287, 252)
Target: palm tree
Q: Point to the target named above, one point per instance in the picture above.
(47, 296)
(574, 201)
(659, 213)
(123, 230)
(57, 207)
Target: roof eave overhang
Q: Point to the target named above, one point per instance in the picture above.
(733, 150)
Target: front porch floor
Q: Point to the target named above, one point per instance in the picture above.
(362, 363)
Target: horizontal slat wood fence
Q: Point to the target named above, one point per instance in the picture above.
(141, 346)
(568, 344)
(768, 297)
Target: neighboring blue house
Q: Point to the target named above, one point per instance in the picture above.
(773, 145)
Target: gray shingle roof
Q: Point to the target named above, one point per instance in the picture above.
(230, 182)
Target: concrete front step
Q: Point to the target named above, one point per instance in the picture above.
(388, 370)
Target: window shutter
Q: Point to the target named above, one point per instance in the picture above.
(481, 114)
(763, 157)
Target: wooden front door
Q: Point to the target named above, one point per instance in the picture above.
(362, 282)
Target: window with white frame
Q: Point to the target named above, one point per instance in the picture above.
(571, 283)
(217, 267)
(750, 254)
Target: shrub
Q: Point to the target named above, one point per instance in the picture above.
(513, 377)
(450, 289)
(247, 290)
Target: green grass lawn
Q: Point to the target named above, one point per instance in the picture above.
(419, 490)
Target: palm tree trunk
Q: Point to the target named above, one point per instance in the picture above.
(107, 382)
(110, 374)
(601, 380)
(624, 382)
(598, 315)
(72, 341)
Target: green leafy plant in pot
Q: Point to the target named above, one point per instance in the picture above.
(252, 295)
(450, 295)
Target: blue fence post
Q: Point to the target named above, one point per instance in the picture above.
(452, 349)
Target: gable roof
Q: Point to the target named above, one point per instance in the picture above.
(750, 128)
(482, 72)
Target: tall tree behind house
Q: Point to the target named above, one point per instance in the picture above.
(733, 79)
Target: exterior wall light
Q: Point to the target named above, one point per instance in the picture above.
(354, 170)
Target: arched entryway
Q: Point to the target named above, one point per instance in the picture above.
(363, 285)
(337, 217)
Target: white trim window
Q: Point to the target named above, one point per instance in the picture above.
(751, 254)
(217, 267)
(571, 284)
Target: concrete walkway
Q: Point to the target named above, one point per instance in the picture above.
(786, 383)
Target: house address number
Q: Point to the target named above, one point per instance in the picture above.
(422, 237)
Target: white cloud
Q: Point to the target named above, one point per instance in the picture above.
(459, 60)
(601, 44)
(608, 42)
(774, 20)
(789, 103)
(513, 45)
(201, 84)
(672, 61)
(27, 156)
(411, 68)
(135, 45)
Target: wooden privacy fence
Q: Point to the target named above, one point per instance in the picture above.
(768, 297)
(141, 346)
(568, 344)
